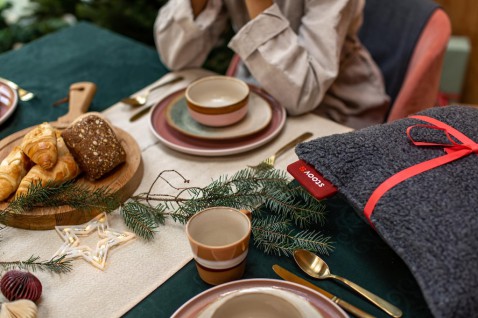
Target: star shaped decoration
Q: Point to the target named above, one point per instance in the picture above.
(109, 237)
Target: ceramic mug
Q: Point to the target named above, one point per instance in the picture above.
(219, 239)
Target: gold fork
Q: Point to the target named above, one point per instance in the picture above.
(140, 100)
(271, 160)
(23, 94)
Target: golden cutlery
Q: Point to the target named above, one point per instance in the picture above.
(140, 100)
(288, 276)
(23, 94)
(271, 160)
(140, 113)
(315, 267)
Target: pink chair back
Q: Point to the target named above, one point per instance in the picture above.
(421, 84)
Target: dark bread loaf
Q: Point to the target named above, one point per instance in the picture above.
(94, 145)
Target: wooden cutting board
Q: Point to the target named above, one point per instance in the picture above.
(123, 180)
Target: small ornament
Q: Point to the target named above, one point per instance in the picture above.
(20, 308)
(17, 284)
(108, 238)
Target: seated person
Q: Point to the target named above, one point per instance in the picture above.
(305, 53)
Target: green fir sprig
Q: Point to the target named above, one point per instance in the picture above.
(74, 194)
(274, 234)
(285, 216)
(53, 194)
(57, 265)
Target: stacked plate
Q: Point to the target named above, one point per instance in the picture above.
(8, 101)
(172, 125)
(259, 298)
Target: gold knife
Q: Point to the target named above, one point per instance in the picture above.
(291, 277)
(141, 113)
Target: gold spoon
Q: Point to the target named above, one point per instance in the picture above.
(314, 266)
(140, 100)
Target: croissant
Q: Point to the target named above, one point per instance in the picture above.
(64, 170)
(12, 169)
(40, 145)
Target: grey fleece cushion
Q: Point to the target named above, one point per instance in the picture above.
(430, 220)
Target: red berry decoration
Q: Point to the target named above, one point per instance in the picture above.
(20, 285)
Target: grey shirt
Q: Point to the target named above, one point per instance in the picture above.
(305, 53)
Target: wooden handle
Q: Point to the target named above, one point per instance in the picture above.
(80, 96)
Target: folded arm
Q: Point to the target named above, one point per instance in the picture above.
(296, 67)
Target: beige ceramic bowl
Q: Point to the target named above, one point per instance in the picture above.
(267, 302)
(217, 100)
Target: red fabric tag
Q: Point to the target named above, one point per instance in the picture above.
(310, 179)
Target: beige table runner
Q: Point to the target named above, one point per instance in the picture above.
(137, 268)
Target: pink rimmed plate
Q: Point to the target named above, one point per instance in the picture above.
(8, 101)
(176, 140)
(200, 303)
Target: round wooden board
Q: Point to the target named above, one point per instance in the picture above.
(123, 181)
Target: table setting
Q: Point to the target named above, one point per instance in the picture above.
(149, 152)
(116, 272)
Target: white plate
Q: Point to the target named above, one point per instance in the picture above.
(204, 147)
(8, 101)
(258, 116)
(202, 303)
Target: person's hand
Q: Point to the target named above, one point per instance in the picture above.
(198, 6)
(256, 7)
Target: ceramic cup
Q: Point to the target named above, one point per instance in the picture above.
(217, 100)
(219, 239)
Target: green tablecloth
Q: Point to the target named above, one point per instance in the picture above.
(359, 255)
(121, 66)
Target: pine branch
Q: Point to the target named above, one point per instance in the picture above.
(139, 218)
(302, 212)
(74, 194)
(245, 189)
(57, 265)
(262, 190)
(274, 235)
(287, 213)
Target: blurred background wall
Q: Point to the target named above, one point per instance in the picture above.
(464, 18)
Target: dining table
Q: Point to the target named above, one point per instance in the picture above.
(153, 278)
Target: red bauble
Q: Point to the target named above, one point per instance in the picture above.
(17, 284)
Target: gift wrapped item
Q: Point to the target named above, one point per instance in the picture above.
(425, 208)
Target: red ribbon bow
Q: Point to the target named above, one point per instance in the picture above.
(454, 151)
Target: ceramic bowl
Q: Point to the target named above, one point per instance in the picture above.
(217, 101)
(260, 302)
